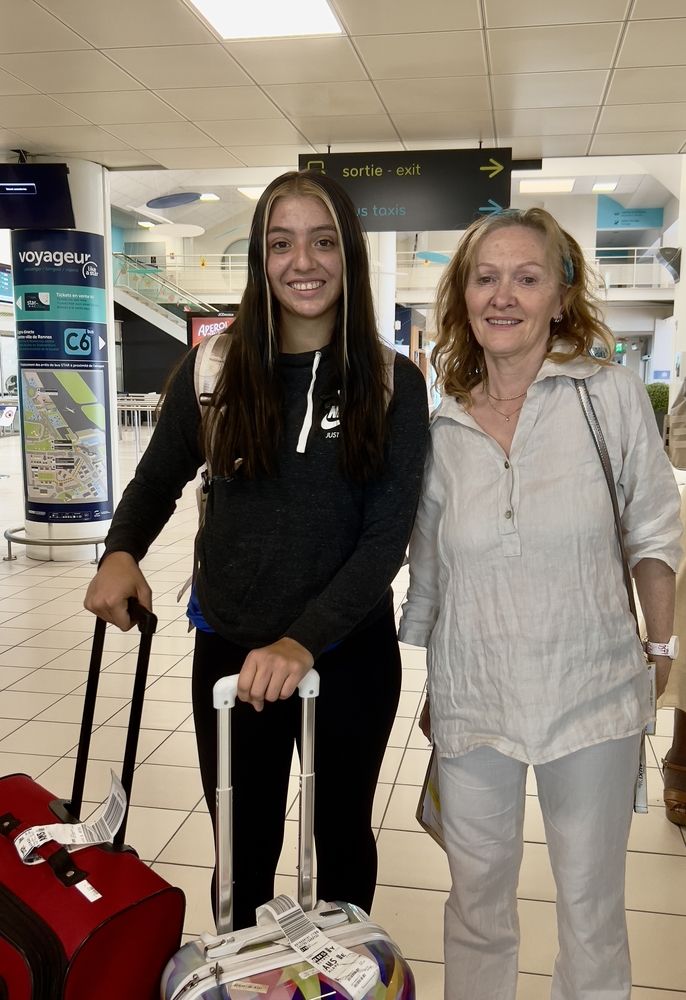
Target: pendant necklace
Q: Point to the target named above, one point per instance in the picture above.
(507, 416)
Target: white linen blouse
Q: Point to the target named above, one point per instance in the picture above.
(516, 582)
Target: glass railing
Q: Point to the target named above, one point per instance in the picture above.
(146, 278)
(192, 278)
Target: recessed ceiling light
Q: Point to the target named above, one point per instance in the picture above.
(555, 185)
(209, 196)
(269, 18)
(251, 192)
(601, 187)
(144, 224)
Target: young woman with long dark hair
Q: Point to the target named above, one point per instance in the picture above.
(315, 437)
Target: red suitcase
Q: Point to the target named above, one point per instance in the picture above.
(55, 943)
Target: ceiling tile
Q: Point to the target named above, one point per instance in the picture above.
(175, 66)
(646, 117)
(116, 158)
(72, 137)
(457, 93)
(506, 14)
(532, 147)
(8, 141)
(354, 98)
(419, 144)
(363, 17)
(26, 27)
(546, 121)
(655, 85)
(548, 90)
(471, 125)
(253, 132)
(423, 54)
(194, 159)
(657, 8)
(272, 156)
(35, 109)
(130, 22)
(298, 60)
(354, 147)
(651, 43)
(637, 143)
(220, 103)
(565, 47)
(161, 136)
(346, 130)
(66, 72)
(9, 85)
(118, 108)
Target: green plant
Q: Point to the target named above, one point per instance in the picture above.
(659, 396)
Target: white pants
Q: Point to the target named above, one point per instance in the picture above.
(586, 799)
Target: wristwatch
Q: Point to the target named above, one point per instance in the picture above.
(670, 649)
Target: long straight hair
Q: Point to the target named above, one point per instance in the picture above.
(245, 417)
(459, 358)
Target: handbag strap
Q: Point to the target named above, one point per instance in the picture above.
(601, 448)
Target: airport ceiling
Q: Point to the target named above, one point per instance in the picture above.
(148, 84)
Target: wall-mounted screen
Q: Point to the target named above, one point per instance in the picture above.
(35, 196)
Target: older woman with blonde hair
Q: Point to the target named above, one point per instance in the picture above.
(517, 589)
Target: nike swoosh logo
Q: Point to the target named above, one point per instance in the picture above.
(328, 425)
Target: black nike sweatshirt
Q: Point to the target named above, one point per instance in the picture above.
(305, 553)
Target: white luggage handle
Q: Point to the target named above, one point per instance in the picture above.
(224, 699)
(225, 690)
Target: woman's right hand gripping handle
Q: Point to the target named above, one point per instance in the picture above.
(108, 592)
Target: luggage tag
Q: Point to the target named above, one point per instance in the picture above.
(355, 973)
(641, 787)
(99, 829)
(650, 726)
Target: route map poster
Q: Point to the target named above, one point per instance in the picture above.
(60, 309)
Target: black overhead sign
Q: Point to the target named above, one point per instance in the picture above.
(422, 190)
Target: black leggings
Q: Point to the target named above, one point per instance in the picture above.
(360, 688)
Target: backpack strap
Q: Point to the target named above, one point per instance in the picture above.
(208, 364)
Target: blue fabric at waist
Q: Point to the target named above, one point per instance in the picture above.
(196, 617)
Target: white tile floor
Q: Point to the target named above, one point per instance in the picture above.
(44, 646)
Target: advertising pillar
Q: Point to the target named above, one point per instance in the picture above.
(63, 315)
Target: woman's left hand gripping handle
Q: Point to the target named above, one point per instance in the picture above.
(273, 672)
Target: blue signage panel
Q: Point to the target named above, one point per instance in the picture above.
(613, 215)
(6, 283)
(59, 302)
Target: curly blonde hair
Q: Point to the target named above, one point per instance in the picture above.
(458, 358)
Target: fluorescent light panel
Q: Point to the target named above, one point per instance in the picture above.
(209, 196)
(555, 185)
(146, 225)
(604, 187)
(269, 18)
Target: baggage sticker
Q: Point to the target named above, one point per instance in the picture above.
(247, 987)
(355, 973)
(99, 829)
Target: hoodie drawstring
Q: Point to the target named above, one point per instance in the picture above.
(307, 422)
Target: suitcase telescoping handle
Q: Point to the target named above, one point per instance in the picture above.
(224, 695)
(147, 624)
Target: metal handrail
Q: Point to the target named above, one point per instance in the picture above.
(613, 267)
(133, 265)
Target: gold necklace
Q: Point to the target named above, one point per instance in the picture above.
(508, 416)
(507, 399)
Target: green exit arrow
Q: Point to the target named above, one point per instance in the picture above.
(493, 168)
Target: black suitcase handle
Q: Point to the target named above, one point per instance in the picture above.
(147, 625)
